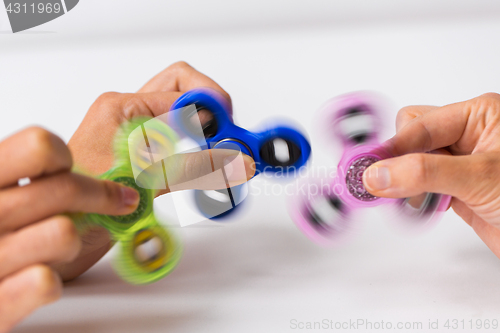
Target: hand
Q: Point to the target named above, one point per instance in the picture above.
(33, 234)
(469, 135)
(92, 145)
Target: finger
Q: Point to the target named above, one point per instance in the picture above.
(25, 291)
(463, 177)
(181, 77)
(63, 193)
(488, 233)
(155, 104)
(32, 153)
(96, 243)
(121, 107)
(51, 241)
(462, 210)
(461, 126)
(435, 129)
(150, 104)
(417, 201)
(92, 143)
(408, 113)
(211, 169)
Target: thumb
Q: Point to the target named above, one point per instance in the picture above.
(413, 174)
(211, 169)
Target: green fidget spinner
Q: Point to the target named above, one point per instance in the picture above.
(147, 250)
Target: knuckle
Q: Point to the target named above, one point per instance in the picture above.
(420, 168)
(491, 95)
(46, 285)
(404, 112)
(486, 102)
(67, 238)
(427, 139)
(180, 65)
(39, 140)
(107, 99)
(401, 117)
(407, 113)
(135, 106)
(46, 147)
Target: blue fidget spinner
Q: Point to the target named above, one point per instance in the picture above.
(279, 149)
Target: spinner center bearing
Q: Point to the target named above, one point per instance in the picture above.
(354, 178)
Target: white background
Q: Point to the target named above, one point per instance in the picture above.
(258, 272)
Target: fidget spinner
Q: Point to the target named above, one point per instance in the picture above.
(147, 250)
(279, 149)
(326, 214)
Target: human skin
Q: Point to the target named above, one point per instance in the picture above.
(34, 236)
(92, 150)
(467, 167)
(39, 246)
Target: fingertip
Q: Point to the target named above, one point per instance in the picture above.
(396, 177)
(250, 166)
(117, 199)
(239, 167)
(129, 199)
(377, 178)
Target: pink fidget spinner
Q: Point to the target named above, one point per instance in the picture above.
(324, 210)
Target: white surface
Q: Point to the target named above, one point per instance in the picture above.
(258, 273)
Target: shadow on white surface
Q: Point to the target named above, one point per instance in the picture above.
(219, 261)
(211, 267)
(233, 274)
(131, 323)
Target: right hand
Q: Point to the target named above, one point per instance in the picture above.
(469, 132)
